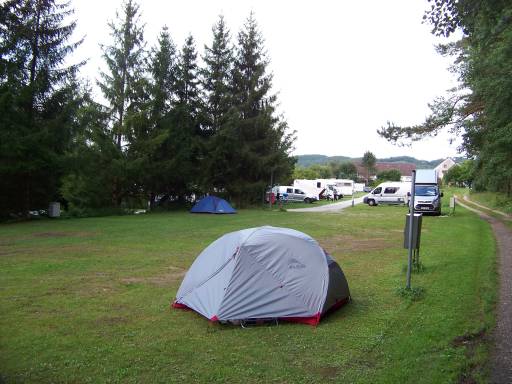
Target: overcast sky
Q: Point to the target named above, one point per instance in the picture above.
(341, 68)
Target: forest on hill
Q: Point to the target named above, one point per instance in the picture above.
(309, 160)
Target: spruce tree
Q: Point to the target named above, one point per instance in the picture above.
(37, 100)
(124, 87)
(125, 60)
(216, 83)
(261, 142)
(216, 76)
(185, 122)
(159, 152)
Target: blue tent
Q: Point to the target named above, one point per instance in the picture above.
(212, 204)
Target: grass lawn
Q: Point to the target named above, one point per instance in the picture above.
(87, 300)
(293, 204)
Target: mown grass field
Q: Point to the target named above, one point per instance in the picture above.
(87, 301)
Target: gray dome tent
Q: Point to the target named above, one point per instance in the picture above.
(263, 273)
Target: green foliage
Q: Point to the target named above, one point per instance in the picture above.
(479, 109)
(334, 170)
(260, 140)
(169, 127)
(368, 161)
(461, 175)
(308, 173)
(37, 101)
(389, 175)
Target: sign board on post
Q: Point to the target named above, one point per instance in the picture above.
(416, 231)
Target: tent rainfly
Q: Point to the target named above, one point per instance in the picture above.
(212, 204)
(263, 273)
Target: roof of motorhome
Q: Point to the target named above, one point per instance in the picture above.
(426, 176)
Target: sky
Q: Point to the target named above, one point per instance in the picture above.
(341, 69)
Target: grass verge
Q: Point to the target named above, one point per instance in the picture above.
(87, 300)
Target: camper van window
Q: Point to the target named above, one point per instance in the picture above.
(376, 191)
(299, 192)
(347, 184)
(390, 190)
(289, 190)
(319, 184)
(426, 190)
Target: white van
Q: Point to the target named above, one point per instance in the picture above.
(389, 193)
(289, 193)
(427, 197)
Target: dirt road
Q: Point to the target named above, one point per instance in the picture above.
(502, 354)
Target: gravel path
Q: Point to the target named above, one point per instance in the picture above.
(502, 353)
(329, 207)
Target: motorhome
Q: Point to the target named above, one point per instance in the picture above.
(326, 188)
(392, 192)
(427, 196)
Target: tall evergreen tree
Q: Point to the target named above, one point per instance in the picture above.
(159, 152)
(185, 125)
(125, 69)
(124, 87)
(36, 100)
(216, 83)
(163, 67)
(216, 76)
(259, 139)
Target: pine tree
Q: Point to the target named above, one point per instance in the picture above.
(124, 87)
(216, 76)
(125, 63)
(260, 139)
(37, 100)
(159, 151)
(185, 120)
(163, 69)
(216, 82)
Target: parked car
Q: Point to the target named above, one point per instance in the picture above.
(291, 194)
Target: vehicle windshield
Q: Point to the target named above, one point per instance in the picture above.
(425, 190)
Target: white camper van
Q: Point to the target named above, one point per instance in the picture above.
(326, 188)
(427, 197)
(389, 193)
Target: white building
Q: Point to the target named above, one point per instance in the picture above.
(444, 167)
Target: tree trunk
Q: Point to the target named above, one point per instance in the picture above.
(26, 197)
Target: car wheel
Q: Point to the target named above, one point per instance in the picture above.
(371, 203)
(307, 200)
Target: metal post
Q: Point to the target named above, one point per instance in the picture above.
(271, 187)
(411, 223)
(352, 194)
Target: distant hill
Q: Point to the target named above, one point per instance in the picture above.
(308, 160)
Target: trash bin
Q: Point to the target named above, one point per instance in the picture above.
(54, 209)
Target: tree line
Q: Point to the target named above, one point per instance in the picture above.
(172, 123)
(479, 108)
